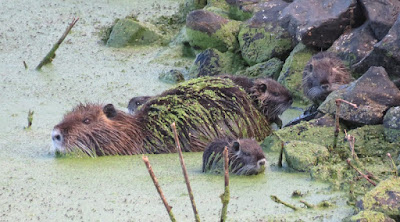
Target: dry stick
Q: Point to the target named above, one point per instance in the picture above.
(308, 205)
(281, 155)
(185, 174)
(168, 207)
(50, 56)
(225, 196)
(393, 164)
(359, 172)
(277, 200)
(337, 126)
(352, 141)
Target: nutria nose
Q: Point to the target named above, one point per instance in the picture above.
(56, 135)
(262, 162)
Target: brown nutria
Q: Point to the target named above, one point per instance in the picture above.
(203, 109)
(324, 73)
(269, 96)
(245, 156)
(136, 102)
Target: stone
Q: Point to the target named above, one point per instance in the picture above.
(205, 29)
(391, 123)
(128, 32)
(371, 216)
(381, 15)
(172, 76)
(262, 38)
(354, 45)
(270, 68)
(373, 93)
(319, 23)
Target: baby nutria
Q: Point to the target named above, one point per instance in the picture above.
(245, 156)
(136, 102)
(269, 96)
(324, 73)
(203, 109)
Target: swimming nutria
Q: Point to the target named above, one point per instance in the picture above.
(136, 102)
(203, 109)
(269, 96)
(245, 156)
(324, 73)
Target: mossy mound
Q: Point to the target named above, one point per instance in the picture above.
(371, 216)
(270, 68)
(311, 154)
(203, 109)
(172, 76)
(128, 32)
(383, 198)
(292, 72)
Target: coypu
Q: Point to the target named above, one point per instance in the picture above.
(269, 96)
(203, 109)
(324, 73)
(136, 102)
(245, 156)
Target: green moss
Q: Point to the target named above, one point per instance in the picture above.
(223, 39)
(311, 155)
(370, 216)
(270, 68)
(261, 44)
(292, 71)
(238, 14)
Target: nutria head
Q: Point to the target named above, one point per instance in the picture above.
(245, 156)
(323, 74)
(136, 102)
(96, 130)
(271, 98)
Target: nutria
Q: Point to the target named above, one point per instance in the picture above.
(245, 156)
(324, 73)
(269, 96)
(136, 102)
(203, 109)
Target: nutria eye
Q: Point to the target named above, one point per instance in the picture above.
(137, 103)
(86, 121)
(275, 94)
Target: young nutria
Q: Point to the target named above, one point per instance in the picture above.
(203, 109)
(269, 96)
(245, 156)
(136, 102)
(324, 73)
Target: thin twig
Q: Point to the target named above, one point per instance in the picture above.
(50, 56)
(25, 65)
(281, 155)
(226, 195)
(393, 164)
(351, 139)
(308, 205)
(277, 200)
(345, 101)
(185, 174)
(338, 102)
(359, 172)
(167, 206)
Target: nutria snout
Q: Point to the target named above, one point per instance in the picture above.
(245, 156)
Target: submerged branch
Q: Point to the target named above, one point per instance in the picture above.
(226, 195)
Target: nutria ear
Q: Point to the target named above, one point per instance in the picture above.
(236, 146)
(109, 110)
(262, 88)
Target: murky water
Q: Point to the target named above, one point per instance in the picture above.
(34, 185)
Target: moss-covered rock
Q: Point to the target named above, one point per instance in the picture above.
(292, 71)
(130, 32)
(171, 76)
(391, 122)
(302, 156)
(371, 216)
(270, 68)
(208, 30)
(383, 198)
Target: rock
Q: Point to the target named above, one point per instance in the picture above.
(391, 123)
(270, 68)
(207, 30)
(292, 71)
(353, 46)
(212, 62)
(262, 38)
(319, 23)
(386, 53)
(381, 15)
(172, 76)
(383, 198)
(302, 155)
(128, 32)
(373, 93)
(371, 216)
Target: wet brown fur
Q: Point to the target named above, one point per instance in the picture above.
(324, 73)
(244, 155)
(102, 130)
